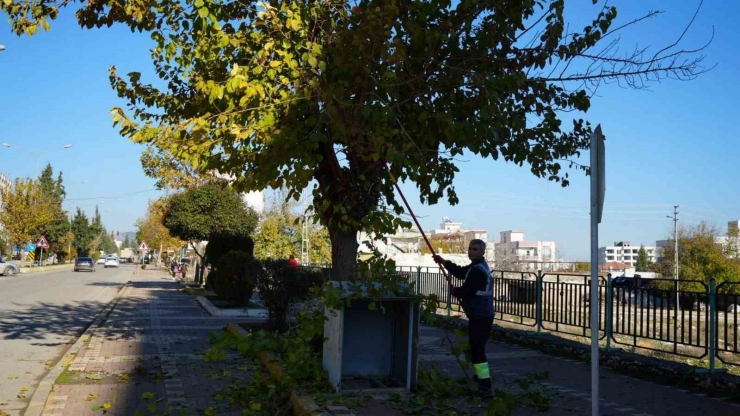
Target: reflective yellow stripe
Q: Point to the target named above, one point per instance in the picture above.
(481, 370)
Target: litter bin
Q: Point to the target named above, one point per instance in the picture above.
(372, 349)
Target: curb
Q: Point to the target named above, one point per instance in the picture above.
(38, 400)
(234, 312)
(302, 405)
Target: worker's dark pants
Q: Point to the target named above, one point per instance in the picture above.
(478, 332)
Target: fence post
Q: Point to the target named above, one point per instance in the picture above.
(609, 303)
(712, 323)
(712, 344)
(418, 279)
(540, 289)
(449, 300)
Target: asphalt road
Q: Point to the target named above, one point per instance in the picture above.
(41, 316)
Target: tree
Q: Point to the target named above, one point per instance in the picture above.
(56, 230)
(319, 245)
(126, 242)
(506, 259)
(344, 94)
(280, 232)
(199, 212)
(448, 243)
(643, 260)
(82, 233)
(700, 258)
(24, 209)
(150, 229)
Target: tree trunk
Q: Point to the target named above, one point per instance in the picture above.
(344, 247)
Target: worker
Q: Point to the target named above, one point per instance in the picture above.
(476, 298)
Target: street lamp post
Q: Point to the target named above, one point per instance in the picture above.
(675, 250)
(37, 154)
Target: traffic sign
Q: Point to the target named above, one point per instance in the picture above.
(143, 246)
(42, 243)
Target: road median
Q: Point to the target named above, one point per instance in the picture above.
(26, 270)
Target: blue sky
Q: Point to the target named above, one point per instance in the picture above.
(669, 145)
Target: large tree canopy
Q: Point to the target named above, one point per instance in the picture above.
(197, 213)
(281, 94)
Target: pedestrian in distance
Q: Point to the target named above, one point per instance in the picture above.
(476, 298)
(293, 262)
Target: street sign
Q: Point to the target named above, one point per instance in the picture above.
(143, 246)
(597, 168)
(597, 208)
(42, 243)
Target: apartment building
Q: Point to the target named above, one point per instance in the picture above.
(625, 253)
(530, 254)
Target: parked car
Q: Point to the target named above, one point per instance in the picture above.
(8, 269)
(111, 261)
(122, 260)
(101, 260)
(84, 263)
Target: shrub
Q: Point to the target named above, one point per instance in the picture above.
(211, 280)
(95, 256)
(235, 278)
(220, 244)
(307, 278)
(143, 266)
(280, 286)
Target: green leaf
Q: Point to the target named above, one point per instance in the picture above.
(147, 395)
(198, 4)
(203, 12)
(312, 61)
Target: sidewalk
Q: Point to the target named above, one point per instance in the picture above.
(153, 341)
(151, 345)
(569, 381)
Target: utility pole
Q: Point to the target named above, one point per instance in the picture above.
(675, 252)
(305, 259)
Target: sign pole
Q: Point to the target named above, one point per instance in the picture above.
(597, 206)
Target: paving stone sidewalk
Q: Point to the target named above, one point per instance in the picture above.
(567, 384)
(152, 343)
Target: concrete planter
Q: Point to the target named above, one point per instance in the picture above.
(213, 310)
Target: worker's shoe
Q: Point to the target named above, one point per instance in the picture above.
(484, 388)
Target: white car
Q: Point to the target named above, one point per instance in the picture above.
(111, 261)
(101, 260)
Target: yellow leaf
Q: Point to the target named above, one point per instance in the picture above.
(106, 405)
(256, 407)
(275, 64)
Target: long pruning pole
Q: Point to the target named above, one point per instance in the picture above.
(429, 244)
(416, 221)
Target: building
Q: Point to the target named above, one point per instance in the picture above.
(5, 182)
(625, 253)
(404, 246)
(255, 200)
(513, 249)
(449, 227)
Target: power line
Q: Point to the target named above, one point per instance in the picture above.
(112, 197)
